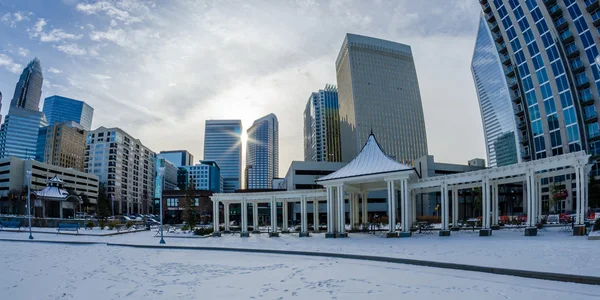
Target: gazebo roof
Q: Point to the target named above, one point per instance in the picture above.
(371, 160)
(53, 190)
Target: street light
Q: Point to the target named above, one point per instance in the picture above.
(161, 173)
(29, 202)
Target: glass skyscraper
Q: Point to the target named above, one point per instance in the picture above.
(19, 133)
(262, 153)
(548, 49)
(179, 158)
(223, 145)
(322, 126)
(494, 101)
(29, 88)
(378, 92)
(60, 109)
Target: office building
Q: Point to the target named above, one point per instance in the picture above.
(495, 105)
(223, 145)
(13, 179)
(63, 144)
(178, 158)
(262, 153)
(19, 133)
(302, 175)
(205, 176)
(173, 206)
(0, 107)
(125, 166)
(166, 183)
(60, 109)
(322, 126)
(378, 92)
(29, 88)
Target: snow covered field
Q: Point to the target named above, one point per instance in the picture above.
(550, 251)
(52, 271)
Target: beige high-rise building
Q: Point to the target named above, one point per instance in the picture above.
(378, 92)
(65, 145)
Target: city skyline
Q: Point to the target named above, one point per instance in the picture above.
(154, 100)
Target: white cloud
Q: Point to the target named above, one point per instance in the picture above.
(14, 18)
(54, 35)
(54, 70)
(110, 10)
(9, 64)
(100, 76)
(23, 52)
(71, 49)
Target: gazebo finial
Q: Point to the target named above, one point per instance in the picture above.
(372, 131)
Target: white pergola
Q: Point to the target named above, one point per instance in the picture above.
(244, 199)
(373, 170)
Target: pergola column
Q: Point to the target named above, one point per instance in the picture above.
(391, 199)
(303, 217)
(273, 218)
(255, 217)
(215, 220)
(445, 210)
(284, 212)
(455, 207)
(316, 215)
(351, 209)
(495, 203)
(341, 212)
(485, 208)
(226, 213)
(405, 208)
(530, 176)
(365, 208)
(413, 205)
(580, 178)
(244, 219)
(330, 213)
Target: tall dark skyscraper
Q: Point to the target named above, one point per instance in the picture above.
(29, 88)
(322, 126)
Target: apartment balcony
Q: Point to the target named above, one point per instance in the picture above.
(501, 47)
(112, 164)
(516, 96)
(594, 152)
(549, 2)
(554, 10)
(572, 50)
(561, 23)
(512, 82)
(494, 26)
(576, 65)
(486, 7)
(522, 124)
(582, 81)
(586, 97)
(526, 154)
(524, 138)
(591, 117)
(593, 136)
(519, 110)
(490, 17)
(509, 71)
(483, 2)
(505, 59)
(566, 36)
(591, 5)
(596, 18)
(497, 37)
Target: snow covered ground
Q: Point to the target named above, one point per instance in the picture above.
(550, 251)
(53, 271)
(82, 231)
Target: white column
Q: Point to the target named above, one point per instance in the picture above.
(413, 205)
(302, 214)
(351, 209)
(405, 206)
(586, 180)
(255, 215)
(330, 212)
(495, 203)
(485, 197)
(445, 204)
(226, 215)
(365, 209)
(530, 197)
(341, 210)
(244, 218)
(579, 203)
(454, 207)
(284, 211)
(316, 215)
(392, 205)
(273, 215)
(215, 216)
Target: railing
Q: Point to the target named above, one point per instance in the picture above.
(512, 81)
(581, 79)
(593, 134)
(489, 15)
(576, 63)
(586, 95)
(554, 8)
(560, 21)
(571, 48)
(590, 115)
(501, 46)
(566, 34)
(509, 69)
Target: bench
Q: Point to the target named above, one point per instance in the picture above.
(67, 227)
(10, 224)
(121, 227)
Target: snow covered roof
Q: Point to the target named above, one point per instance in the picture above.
(370, 160)
(53, 191)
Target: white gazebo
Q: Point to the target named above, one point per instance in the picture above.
(371, 170)
(54, 191)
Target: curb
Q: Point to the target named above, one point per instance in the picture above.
(592, 280)
(53, 242)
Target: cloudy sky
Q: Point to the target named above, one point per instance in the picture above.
(159, 69)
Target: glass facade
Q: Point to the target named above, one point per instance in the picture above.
(262, 153)
(178, 158)
(322, 126)
(170, 177)
(494, 100)
(551, 47)
(205, 176)
(223, 145)
(61, 109)
(29, 88)
(378, 92)
(19, 133)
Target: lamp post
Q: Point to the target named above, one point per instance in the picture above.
(28, 173)
(161, 173)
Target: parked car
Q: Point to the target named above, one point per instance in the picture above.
(126, 219)
(594, 214)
